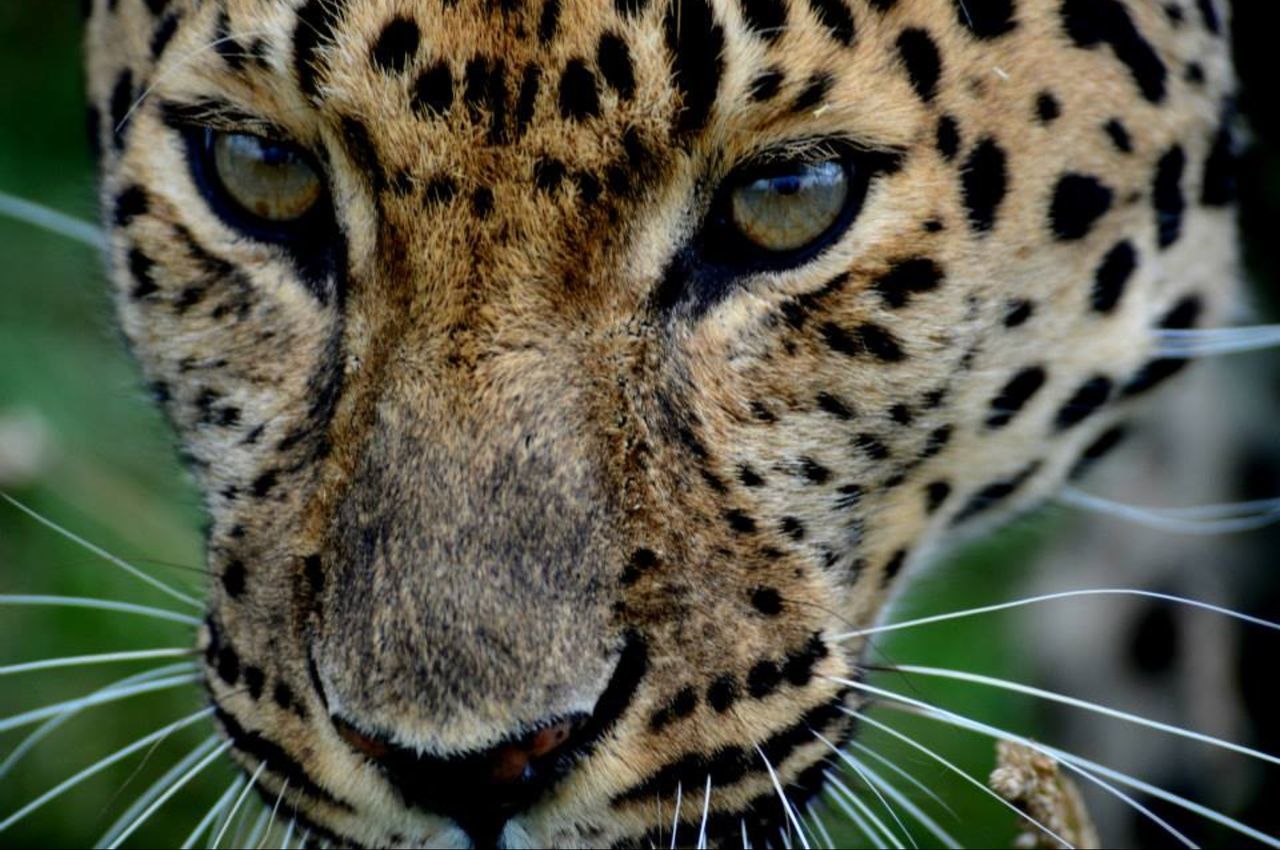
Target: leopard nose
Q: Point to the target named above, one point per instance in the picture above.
(480, 791)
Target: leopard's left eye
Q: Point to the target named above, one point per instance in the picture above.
(791, 209)
(266, 179)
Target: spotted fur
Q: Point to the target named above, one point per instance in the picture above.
(493, 450)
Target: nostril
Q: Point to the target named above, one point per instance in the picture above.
(519, 760)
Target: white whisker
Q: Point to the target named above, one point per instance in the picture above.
(144, 799)
(52, 724)
(288, 833)
(856, 767)
(207, 821)
(852, 815)
(1063, 699)
(103, 553)
(173, 789)
(1205, 520)
(675, 821)
(915, 783)
(275, 810)
(1210, 342)
(1072, 762)
(253, 780)
(38, 215)
(910, 807)
(258, 832)
(100, 605)
(823, 833)
(96, 698)
(1052, 597)
(706, 809)
(101, 765)
(883, 835)
(101, 658)
(942, 760)
(782, 797)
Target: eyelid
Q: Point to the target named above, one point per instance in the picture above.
(223, 117)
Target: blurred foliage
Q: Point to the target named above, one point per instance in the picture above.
(112, 476)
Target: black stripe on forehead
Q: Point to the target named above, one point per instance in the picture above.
(696, 41)
(317, 20)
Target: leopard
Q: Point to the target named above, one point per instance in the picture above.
(567, 380)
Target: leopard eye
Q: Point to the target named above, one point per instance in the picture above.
(792, 208)
(268, 180)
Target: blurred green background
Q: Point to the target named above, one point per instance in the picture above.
(109, 472)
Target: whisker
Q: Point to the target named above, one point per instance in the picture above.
(1053, 597)
(1072, 762)
(96, 698)
(885, 835)
(1064, 699)
(52, 724)
(274, 811)
(942, 760)
(38, 215)
(288, 833)
(1232, 519)
(207, 821)
(102, 764)
(144, 799)
(746, 842)
(675, 821)
(173, 789)
(1209, 342)
(782, 797)
(857, 769)
(916, 783)
(258, 832)
(253, 780)
(102, 553)
(102, 658)
(816, 820)
(1066, 759)
(911, 808)
(100, 605)
(706, 809)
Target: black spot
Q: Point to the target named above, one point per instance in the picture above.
(986, 18)
(906, 278)
(766, 85)
(798, 666)
(948, 137)
(163, 34)
(1183, 315)
(1119, 135)
(792, 527)
(228, 666)
(548, 21)
(1194, 73)
(740, 522)
(1017, 312)
(836, 17)
(937, 441)
(1218, 188)
(579, 98)
(880, 343)
(482, 202)
(630, 8)
(834, 406)
(984, 181)
(614, 59)
(762, 413)
(527, 99)
(749, 477)
(140, 266)
(397, 45)
(360, 144)
(901, 414)
(641, 561)
(1167, 197)
(548, 174)
(849, 496)
(121, 103)
(696, 42)
(722, 693)
(767, 18)
(1093, 22)
(254, 679)
(1097, 450)
(1093, 394)
(814, 472)
(440, 191)
(814, 92)
(1210, 16)
(282, 694)
(763, 679)
(1112, 276)
(233, 579)
(995, 493)
(894, 565)
(1154, 641)
(767, 601)
(130, 204)
(935, 495)
(1079, 200)
(317, 20)
(1048, 109)
(1015, 395)
(924, 65)
(873, 446)
(264, 483)
(433, 91)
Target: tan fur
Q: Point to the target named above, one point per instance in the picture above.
(516, 418)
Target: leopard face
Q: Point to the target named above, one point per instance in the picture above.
(540, 479)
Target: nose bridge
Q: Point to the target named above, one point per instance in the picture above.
(469, 554)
